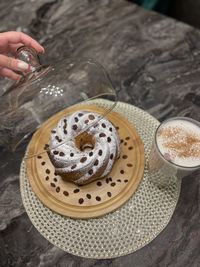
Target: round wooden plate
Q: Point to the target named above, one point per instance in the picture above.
(99, 197)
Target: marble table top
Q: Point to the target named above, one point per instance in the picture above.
(154, 62)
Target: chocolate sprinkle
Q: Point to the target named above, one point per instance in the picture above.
(71, 154)
(102, 135)
(47, 178)
(43, 163)
(109, 194)
(83, 159)
(86, 121)
(91, 154)
(125, 143)
(90, 172)
(113, 184)
(103, 125)
(118, 180)
(121, 141)
(100, 152)
(55, 180)
(110, 179)
(65, 120)
(58, 189)
(88, 196)
(65, 131)
(107, 180)
(39, 157)
(99, 183)
(130, 148)
(127, 138)
(109, 139)
(73, 166)
(46, 146)
(98, 198)
(80, 114)
(81, 200)
(65, 193)
(76, 190)
(76, 119)
(96, 162)
(110, 129)
(126, 181)
(117, 128)
(53, 131)
(74, 127)
(61, 154)
(53, 185)
(122, 171)
(91, 117)
(124, 156)
(111, 156)
(55, 152)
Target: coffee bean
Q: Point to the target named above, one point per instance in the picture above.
(81, 200)
(76, 190)
(58, 189)
(109, 194)
(130, 165)
(88, 196)
(65, 193)
(47, 171)
(98, 198)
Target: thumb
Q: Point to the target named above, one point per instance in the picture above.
(13, 64)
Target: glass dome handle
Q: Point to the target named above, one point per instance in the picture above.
(28, 55)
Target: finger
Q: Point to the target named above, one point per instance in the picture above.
(14, 64)
(9, 74)
(13, 47)
(20, 37)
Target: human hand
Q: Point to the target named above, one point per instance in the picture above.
(9, 42)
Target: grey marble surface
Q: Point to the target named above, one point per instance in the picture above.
(154, 63)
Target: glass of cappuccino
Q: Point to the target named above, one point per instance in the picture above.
(175, 151)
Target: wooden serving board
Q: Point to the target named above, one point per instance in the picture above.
(99, 197)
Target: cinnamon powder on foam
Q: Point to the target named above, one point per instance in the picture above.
(180, 141)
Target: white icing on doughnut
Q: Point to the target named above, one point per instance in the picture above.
(70, 160)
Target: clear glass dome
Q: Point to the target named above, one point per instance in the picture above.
(46, 90)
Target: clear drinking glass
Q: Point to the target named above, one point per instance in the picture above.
(178, 154)
(48, 89)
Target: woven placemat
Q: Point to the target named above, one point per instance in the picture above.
(129, 228)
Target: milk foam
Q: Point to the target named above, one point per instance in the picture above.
(185, 129)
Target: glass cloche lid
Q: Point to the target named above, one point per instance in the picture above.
(46, 90)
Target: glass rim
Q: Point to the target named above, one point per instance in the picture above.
(155, 141)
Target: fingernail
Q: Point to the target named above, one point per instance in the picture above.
(22, 65)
